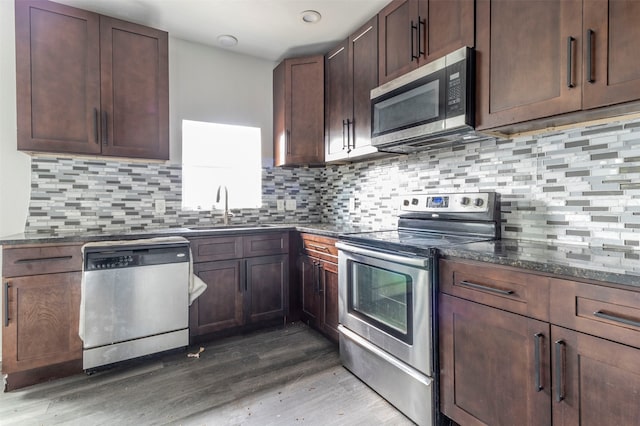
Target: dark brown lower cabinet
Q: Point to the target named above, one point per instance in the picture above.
(596, 381)
(240, 292)
(222, 300)
(40, 327)
(266, 288)
(319, 287)
(494, 365)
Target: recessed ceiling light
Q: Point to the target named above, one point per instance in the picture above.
(311, 16)
(227, 40)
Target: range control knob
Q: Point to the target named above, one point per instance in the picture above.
(405, 203)
(479, 202)
(415, 201)
(465, 201)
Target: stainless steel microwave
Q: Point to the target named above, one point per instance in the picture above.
(430, 105)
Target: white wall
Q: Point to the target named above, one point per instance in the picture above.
(14, 165)
(210, 84)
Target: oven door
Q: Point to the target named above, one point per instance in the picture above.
(386, 299)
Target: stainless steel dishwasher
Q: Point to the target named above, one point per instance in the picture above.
(134, 301)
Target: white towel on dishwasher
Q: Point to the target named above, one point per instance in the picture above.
(196, 285)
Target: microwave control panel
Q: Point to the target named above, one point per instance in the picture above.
(456, 88)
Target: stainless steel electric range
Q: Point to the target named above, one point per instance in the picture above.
(387, 295)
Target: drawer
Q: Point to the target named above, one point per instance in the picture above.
(47, 259)
(502, 287)
(216, 248)
(319, 247)
(601, 311)
(266, 244)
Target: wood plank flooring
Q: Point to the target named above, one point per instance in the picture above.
(288, 375)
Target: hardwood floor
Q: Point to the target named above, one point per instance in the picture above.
(285, 376)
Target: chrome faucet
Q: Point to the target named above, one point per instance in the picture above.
(227, 215)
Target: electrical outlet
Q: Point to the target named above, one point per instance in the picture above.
(280, 205)
(352, 205)
(290, 204)
(161, 206)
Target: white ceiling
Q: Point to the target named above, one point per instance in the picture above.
(269, 29)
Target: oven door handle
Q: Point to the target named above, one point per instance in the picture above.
(420, 262)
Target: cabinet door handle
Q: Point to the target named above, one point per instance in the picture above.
(616, 318)
(6, 304)
(570, 41)
(320, 274)
(344, 137)
(105, 129)
(287, 141)
(538, 359)
(421, 24)
(44, 259)
(349, 123)
(559, 369)
(414, 30)
(318, 248)
(590, 34)
(486, 288)
(96, 117)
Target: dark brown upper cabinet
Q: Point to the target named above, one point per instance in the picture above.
(543, 58)
(298, 112)
(415, 32)
(90, 84)
(612, 63)
(351, 71)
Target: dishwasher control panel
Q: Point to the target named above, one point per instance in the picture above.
(117, 257)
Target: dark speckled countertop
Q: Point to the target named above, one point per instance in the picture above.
(608, 265)
(330, 230)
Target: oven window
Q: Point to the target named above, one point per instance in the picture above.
(382, 298)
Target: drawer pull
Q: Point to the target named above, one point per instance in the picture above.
(44, 259)
(616, 318)
(6, 304)
(486, 288)
(318, 248)
(559, 367)
(537, 359)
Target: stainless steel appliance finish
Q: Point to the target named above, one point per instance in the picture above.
(135, 301)
(430, 106)
(387, 293)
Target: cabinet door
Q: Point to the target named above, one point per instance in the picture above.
(220, 306)
(266, 287)
(329, 278)
(58, 78)
(612, 63)
(494, 365)
(299, 116)
(43, 318)
(397, 46)
(135, 90)
(310, 285)
(529, 57)
(337, 103)
(596, 382)
(449, 26)
(363, 74)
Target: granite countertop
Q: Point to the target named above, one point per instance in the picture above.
(616, 266)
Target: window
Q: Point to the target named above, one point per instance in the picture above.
(216, 155)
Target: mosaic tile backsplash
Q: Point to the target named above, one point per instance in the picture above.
(577, 186)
